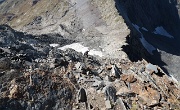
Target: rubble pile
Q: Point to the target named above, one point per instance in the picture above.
(35, 75)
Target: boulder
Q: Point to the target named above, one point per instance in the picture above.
(152, 67)
(82, 95)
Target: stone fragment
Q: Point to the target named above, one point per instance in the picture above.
(78, 66)
(115, 72)
(154, 103)
(108, 104)
(121, 104)
(123, 90)
(149, 95)
(128, 78)
(152, 67)
(4, 63)
(110, 93)
(82, 95)
(13, 91)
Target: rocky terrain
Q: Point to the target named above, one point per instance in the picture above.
(35, 75)
(141, 29)
(89, 54)
(38, 76)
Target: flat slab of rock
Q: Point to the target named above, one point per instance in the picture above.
(152, 67)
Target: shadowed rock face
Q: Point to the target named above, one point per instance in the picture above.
(158, 23)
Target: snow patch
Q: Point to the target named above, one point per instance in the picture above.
(146, 44)
(94, 52)
(144, 29)
(137, 28)
(80, 48)
(161, 31)
(54, 45)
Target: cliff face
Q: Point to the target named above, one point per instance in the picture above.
(157, 24)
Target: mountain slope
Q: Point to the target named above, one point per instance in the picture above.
(82, 20)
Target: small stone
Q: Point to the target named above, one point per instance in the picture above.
(78, 66)
(121, 104)
(52, 65)
(13, 91)
(123, 90)
(96, 83)
(77, 107)
(4, 63)
(100, 70)
(108, 104)
(110, 93)
(154, 103)
(82, 95)
(115, 72)
(108, 78)
(128, 78)
(142, 69)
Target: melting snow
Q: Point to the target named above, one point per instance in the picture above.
(54, 45)
(146, 44)
(161, 31)
(80, 48)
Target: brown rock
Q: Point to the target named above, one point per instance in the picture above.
(13, 91)
(128, 78)
(150, 96)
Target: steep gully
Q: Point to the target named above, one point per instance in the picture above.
(144, 19)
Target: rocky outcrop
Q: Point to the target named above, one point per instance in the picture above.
(50, 78)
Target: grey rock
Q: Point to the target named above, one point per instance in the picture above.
(96, 83)
(108, 104)
(4, 63)
(108, 78)
(152, 67)
(78, 66)
(115, 72)
(142, 69)
(120, 102)
(110, 93)
(82, 95)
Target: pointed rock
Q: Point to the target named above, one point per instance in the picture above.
(115, 72)
(82, 95)
(110, 93)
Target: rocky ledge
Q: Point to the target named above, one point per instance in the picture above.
(35, 75)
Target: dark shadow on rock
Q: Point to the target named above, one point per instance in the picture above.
(149, 15)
